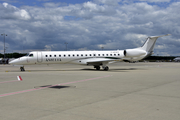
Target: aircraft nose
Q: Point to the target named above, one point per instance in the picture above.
(17, 61)
(14, 61)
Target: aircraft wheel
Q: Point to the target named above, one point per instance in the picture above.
(22, 68)
(97, 67)
(106, 68)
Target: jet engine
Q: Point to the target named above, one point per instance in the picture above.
(134, 52)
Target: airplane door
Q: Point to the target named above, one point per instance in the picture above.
(39, 57)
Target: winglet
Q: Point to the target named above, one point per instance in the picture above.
(19, 78)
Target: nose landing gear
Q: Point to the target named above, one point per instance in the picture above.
(22, 68)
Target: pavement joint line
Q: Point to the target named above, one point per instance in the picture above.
(30, 90)
(9, 81)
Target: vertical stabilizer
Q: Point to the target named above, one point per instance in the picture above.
(150, 42)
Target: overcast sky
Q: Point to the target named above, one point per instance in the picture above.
(89, 25)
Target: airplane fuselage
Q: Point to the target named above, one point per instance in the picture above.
(75, 57)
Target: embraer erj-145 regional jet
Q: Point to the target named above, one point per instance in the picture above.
(93, 58)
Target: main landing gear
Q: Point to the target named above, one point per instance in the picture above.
(97, 67)
(22, 68)
(106, 68)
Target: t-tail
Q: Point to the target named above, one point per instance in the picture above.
(148, 46)
(142, 52)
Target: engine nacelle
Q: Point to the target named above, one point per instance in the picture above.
(134, 52)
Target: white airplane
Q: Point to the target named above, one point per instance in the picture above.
(177, 59)
(93, 58)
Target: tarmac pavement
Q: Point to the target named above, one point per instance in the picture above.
(128, 91)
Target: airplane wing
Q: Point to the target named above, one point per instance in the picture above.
(98, 61)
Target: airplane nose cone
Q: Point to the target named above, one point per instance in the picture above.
(13, 61)
(10, 62)
(18, 61)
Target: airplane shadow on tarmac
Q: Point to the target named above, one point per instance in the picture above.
(115, 70)
(54, 86)
(60, 87)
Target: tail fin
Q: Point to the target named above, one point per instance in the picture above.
(148, 46)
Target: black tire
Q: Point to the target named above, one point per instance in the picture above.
(97, 67)
(106, 68)
(22, 69)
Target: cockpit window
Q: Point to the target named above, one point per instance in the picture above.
(31, 55)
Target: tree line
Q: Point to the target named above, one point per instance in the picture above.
(12, 55)
(160, 58)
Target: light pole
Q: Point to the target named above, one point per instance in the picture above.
(102, 48)
(4, 43)
(66, 45)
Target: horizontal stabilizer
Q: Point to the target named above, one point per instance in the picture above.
(159, 36)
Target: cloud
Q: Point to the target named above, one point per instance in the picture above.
(108, 2)
(112, 24)
(11, 12)
(155, 0)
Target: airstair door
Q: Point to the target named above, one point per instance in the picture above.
(39, 57)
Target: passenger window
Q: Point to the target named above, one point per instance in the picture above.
(73, 55)
(114, 54)
(50, 56)
(69, 55)
(89, 54)
(102, 54)
(81, 54)
(106, 54)
(64, 55)
(118, 54)
(99, 54)
(54, 55)
(86, 54)
(77, 55)
(46, 55)
(110, 54)
(59, 55)
(94, 54)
